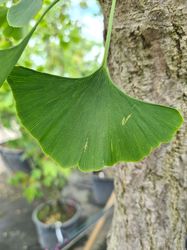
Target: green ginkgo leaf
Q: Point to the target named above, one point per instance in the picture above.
(9, 57)
(88, 122)
(22, 12)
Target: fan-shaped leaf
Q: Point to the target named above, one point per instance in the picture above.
(22, 12)
(88, 122)
(9, 57)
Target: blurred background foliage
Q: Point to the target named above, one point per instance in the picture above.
(68, 42)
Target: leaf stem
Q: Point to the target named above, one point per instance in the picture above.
(45, 12)
(109, 33)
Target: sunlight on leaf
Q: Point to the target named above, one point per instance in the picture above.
(88, 122)
(9, 57)
(22, 12)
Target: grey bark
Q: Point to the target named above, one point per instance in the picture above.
(148, 59)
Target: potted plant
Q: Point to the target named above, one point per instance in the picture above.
(54, 217)
(102, 187)
(54, 220)
(14, 155)
(14, 159)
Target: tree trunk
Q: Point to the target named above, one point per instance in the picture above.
(148, 59)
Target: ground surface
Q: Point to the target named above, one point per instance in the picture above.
(17, 231)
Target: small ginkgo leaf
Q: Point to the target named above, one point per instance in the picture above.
(22, 12)
(88, 122)
(9, 57)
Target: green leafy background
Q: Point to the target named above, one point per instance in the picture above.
(21, 13)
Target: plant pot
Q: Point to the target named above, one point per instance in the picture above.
(47, 233)
(13, 159)
(102, 189)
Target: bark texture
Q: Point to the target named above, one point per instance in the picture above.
(148, 59)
